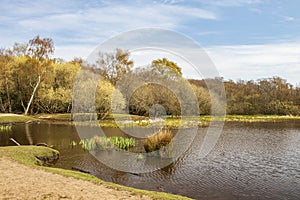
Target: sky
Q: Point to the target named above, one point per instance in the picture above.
(245, 39)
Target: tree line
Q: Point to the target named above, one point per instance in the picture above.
(34, 82)
(268, 96)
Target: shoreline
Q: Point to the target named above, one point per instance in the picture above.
(172, 122)
(24, 162)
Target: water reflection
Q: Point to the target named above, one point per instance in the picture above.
(28, 135)
(250, 161)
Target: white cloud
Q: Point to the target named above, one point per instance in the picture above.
(68, 52)
(229, 3)
(288, 18)
(79, 21)
(258, 61)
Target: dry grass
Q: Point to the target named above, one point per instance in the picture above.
(158, 140)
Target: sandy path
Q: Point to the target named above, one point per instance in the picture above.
(8, 114)
(18, 181)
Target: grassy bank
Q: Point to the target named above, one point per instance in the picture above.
(28, 155)
(250, 118)
(12, 118)
(171, 122)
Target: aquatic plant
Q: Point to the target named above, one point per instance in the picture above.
(5, 127)
(139, 156)
(123, 143)
(88, 144)
(73, 143)
(107, 143)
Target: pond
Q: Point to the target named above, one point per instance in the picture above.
(258, 160)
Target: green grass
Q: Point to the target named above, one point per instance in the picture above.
(27, 155)
(16, 118)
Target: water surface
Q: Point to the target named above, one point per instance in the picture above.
(250, 161)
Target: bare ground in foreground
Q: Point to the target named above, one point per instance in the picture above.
(18, 181)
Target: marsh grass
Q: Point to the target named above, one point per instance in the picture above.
(158, 141)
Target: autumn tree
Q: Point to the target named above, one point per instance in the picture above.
(166, 68)
(39, 50)
(55, 95)
(5, 81)
(104, 99)
(112, 66)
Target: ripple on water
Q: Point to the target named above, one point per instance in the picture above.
(250, 161)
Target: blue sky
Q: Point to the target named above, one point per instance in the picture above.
(247, 39)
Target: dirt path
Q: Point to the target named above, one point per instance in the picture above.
(18, 181)
(8, 114)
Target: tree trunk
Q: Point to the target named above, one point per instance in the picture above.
(7, 93)
(32, 95)
(2, 105)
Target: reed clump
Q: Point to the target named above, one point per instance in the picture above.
(157, 141)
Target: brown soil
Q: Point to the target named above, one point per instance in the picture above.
(18, 181)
